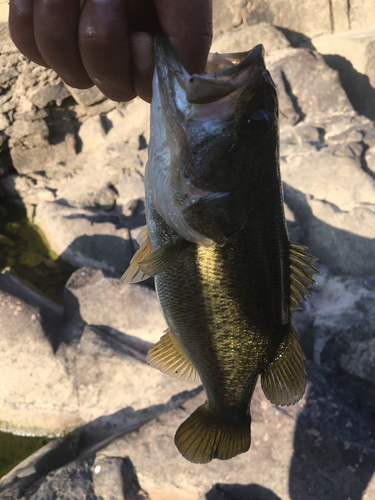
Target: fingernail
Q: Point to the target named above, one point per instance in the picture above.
(24, 6)
(143, 54)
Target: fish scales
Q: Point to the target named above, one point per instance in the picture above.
(225, 272)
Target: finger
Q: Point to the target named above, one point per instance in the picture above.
(56, 35)
(105, 47)
(143, 64)
(188, 25)
(21, 27)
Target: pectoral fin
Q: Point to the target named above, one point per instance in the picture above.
(284, 381)
(162, 258)
(168, 356)
(134, 274)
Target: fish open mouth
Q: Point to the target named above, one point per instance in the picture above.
(225, 74)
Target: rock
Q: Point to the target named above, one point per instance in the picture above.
(93, 185)
(53, 379)
(48, 158)
(30, 134)
(342, 238)
(361, 14)
(130, 188)
(115, 477)
(337, 176)
(50, 93)
(370, 159)
(296, 452)
(352, 54)
(338, 324)
(245, 38)
(34, 383)
(312, 19)
(3, 122)
(87, 97)
(108, 378)
(98, 300)
(124, 124)
(313, 87)
(83, 237)
(13, 185)
(92, 133)
(30, 475)
(6, 44)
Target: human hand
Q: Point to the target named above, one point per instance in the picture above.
(108, 43)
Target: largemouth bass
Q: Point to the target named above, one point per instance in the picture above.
(227, 277)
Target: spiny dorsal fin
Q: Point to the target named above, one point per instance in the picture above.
(168, 356)
(162, 258)
(284, 381)
(206, 435)
(134, 274)
(301, 275)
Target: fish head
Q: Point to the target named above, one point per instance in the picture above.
(215, 137)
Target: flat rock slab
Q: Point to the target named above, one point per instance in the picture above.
(297, 452)
(86, 237)
(103, 301)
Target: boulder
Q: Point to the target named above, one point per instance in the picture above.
(329, 186)
(87, 97)
(102, 301)
(84, 237)
(58, 372)
(48, 158)
(245, 38)
(313, 87)
(352, 54)
(49, 94)
(337, 325)
(36, 393)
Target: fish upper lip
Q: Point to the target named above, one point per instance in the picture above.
(202, 89)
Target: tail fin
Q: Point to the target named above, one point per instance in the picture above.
(202, 437)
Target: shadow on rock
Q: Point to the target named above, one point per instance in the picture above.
(356, 85)
(102, 251)
(240, 492)
(343, 251)
(334, 443)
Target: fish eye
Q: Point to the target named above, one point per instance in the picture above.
(258, 120)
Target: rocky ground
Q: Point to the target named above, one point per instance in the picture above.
(74, 162)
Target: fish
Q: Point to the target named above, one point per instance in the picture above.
(227, 277)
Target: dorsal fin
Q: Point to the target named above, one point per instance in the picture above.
(301, 275)
(284, 381)
(168, 356)
(134, 274)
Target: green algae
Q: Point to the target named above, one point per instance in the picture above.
(24, 250)
(14, 449)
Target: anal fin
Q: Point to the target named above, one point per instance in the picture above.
(284, 381)
(168, 356)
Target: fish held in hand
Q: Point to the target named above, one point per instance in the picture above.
(227, 277)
